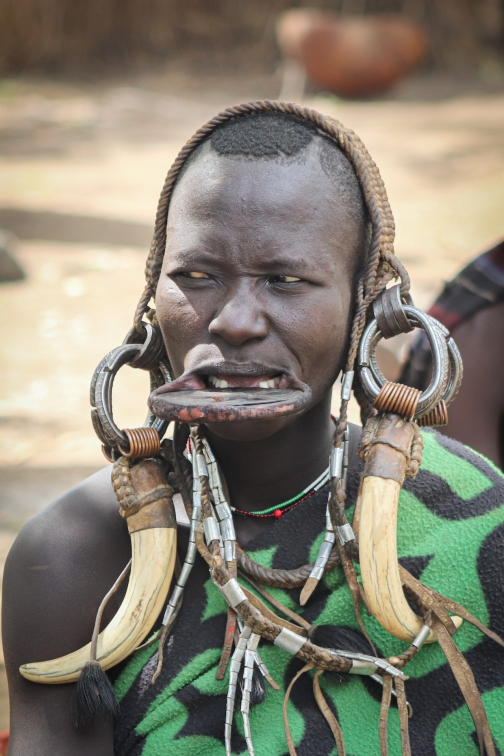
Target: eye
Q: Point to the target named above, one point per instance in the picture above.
(194, 274)
(285, 279)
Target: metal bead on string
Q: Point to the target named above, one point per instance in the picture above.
(338, 468)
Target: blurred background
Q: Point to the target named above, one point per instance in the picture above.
(97, 97)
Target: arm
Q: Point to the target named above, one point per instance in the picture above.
(59, 568)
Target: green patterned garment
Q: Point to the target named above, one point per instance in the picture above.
(450, 535)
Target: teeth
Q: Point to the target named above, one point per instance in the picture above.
(222, 384)
(271, 383)
(217, 382)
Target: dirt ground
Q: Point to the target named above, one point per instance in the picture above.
(81, 167)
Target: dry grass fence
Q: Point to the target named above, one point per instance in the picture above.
(87, 35)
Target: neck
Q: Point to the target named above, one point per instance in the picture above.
(260, 474)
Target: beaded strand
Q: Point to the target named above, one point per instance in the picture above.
(279, 510)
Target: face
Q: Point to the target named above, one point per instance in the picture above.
(258, 277)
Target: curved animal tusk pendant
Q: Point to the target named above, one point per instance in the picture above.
(146, 502)
(383, 478)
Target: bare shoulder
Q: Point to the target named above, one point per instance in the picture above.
(81, 531)
(91, 503)
(62, 563)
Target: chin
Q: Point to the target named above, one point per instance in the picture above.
(250, 430)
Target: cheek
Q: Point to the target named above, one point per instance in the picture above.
(180, 324)
(318, 332)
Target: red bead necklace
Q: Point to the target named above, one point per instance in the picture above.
(277, 513)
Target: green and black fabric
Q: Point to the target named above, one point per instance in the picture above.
(450, 535)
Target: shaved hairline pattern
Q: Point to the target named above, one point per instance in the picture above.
(282, 138)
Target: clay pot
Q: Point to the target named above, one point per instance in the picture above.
(351, 56)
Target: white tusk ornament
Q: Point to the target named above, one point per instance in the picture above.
(385, 469)
(142, 490)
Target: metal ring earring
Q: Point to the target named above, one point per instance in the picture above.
(151, 356)
(392, 317)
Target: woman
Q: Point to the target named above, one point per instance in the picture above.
(273, 240)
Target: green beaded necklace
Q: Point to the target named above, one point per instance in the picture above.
(279, 509)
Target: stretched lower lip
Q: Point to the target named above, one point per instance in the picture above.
(243, 381)
(194, 381)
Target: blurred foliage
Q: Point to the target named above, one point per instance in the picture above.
(78, 36)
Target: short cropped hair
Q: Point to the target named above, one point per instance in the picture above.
(283, 137)
(279, 136)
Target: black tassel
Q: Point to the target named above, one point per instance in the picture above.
(258, 692)
(94, 696)
(342, 637)
(339, 637)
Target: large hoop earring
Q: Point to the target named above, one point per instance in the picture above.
(392, 317)
(149, 355)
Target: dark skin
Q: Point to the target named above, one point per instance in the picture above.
(476, 417)
(257, 282)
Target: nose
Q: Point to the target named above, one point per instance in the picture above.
(240, 318)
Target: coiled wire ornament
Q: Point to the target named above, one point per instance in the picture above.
(395, 397)
(438, 415)
(142, 442)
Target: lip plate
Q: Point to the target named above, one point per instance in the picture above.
(229, 405)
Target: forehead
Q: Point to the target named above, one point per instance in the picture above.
(287, 202)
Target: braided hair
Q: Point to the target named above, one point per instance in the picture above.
(380, 265)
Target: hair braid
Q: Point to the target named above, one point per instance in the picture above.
(381, 264)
